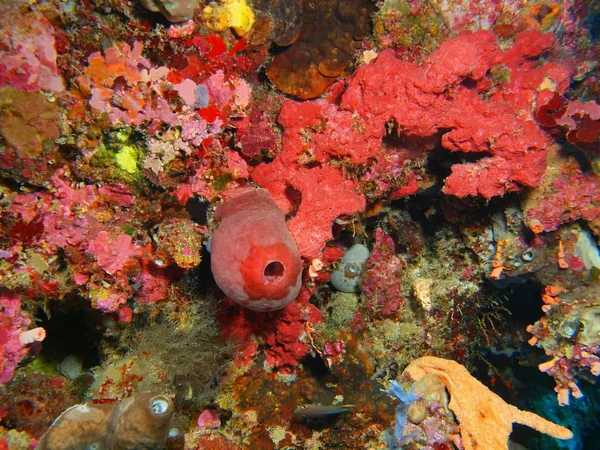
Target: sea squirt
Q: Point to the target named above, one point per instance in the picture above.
(346, 276)
(254, 259)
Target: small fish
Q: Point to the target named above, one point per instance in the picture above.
(321, 411)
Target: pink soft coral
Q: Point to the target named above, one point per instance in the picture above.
(27, 52)
(13, 323)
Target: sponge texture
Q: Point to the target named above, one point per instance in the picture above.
(254, 259)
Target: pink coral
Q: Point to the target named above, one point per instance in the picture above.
(208, 419)
(154, 284)
(13, 324)
(112, 254)
(218, 164)
(123, 102)
(256, 135)
(224, 92)
(564, 196)
(383, 274)
(178, 31)
(81, 222)
(27, 52)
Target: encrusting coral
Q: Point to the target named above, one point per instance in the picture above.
(485, 419)
(329, 33)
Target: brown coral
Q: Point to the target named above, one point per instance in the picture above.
(28, 130)
(139, 421)
(278, 20)
(173, 10)
(485, 419)
(329, 33)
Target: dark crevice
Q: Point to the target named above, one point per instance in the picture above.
(73, 327)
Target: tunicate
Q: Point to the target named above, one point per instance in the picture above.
(569, 328)
(417, 413)
(345, 277)
(173, 10)
(140, 421)
(590, 326)
(160, 405)
(587, 250)
(175, 440)
(71, 367)
(527, 255)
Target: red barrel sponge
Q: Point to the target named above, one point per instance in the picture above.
(254, 259)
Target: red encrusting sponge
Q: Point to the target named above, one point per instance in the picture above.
(254, 259)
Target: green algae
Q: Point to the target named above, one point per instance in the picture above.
(396, 25)
(117, 158)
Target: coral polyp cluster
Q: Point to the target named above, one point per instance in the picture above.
(336, 224)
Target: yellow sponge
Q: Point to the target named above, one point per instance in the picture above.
(234, 14)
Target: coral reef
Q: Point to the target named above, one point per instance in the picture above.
(514, 146)
(566, 194)
(268, 210)
(32, 403)
(416, 26)
(568, 333)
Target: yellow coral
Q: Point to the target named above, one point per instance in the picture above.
(485, 419)
(235, 14)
